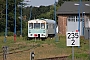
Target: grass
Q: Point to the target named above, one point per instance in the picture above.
(81, 56)
(44, 49)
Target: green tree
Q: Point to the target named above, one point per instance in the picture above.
(11, 12)
(2, 16)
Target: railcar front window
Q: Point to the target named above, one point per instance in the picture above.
(36, 25)
(42, 26)
(30, 25)
(47, 26)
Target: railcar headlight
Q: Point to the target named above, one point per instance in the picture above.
(31, 34)
(43, 35)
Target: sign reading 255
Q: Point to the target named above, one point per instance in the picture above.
(73, 38)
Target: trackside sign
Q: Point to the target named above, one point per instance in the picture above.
(72, 39)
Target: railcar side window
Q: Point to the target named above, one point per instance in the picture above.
(36, 25)
(30, 25)
(42, 26)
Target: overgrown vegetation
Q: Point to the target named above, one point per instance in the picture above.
(44, 49)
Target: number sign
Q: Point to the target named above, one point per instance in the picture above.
(73, 38)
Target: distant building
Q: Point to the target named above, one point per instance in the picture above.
(68, 16)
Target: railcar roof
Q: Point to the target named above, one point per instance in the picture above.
(47, 20)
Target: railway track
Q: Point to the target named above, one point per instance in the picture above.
(16, 50)
(55, 58)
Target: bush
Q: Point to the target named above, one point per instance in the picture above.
(18, 33)
(10, 33)
(2, 33)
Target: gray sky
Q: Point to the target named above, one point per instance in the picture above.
(41, 2)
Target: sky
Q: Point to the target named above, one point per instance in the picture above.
(40, 2)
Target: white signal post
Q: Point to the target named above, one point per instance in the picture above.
(73, 39)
